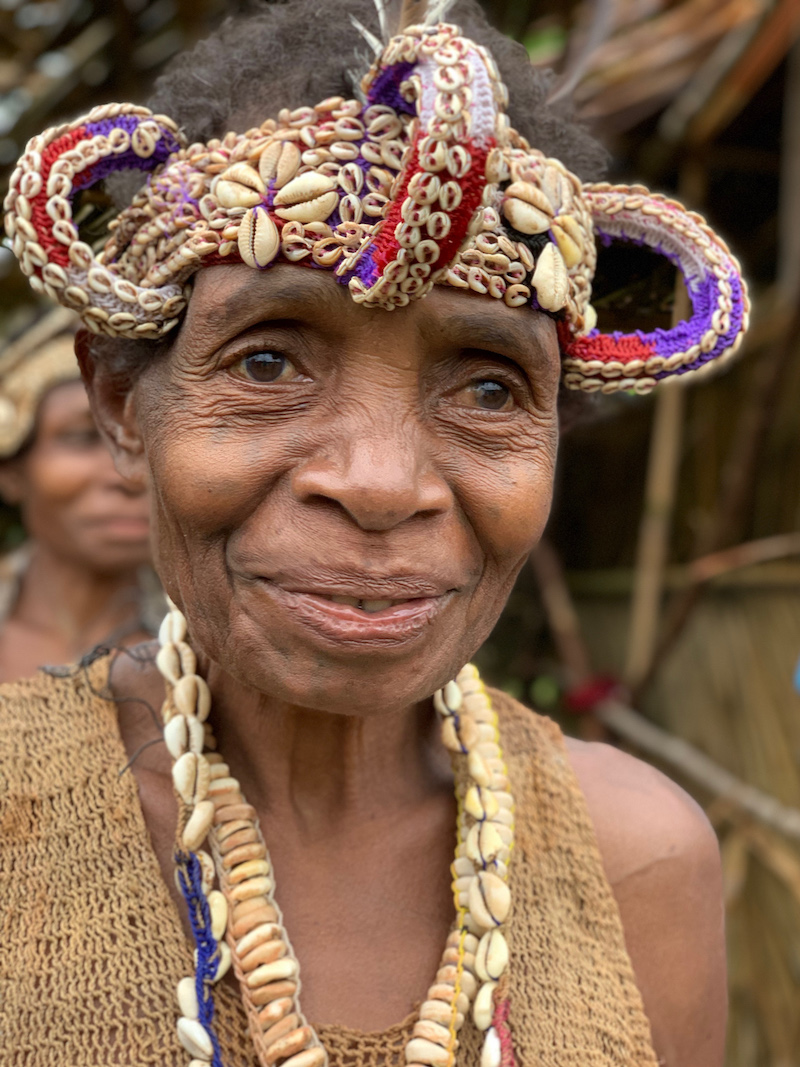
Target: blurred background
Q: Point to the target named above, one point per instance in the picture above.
(663, 611)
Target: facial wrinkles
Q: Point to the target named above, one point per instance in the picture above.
(378, 472)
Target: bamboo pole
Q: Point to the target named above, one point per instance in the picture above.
(654, 530)
(661, 484)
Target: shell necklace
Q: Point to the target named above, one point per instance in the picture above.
(240, 924)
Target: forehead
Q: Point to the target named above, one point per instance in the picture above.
(62, 403)
(228, 300)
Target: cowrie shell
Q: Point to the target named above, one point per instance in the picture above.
(172, 628)
(484, 844)
(258, 239)
(530, 194)
(176, 736)
(187, 998)
(483, 1008)
(478, 769)
(245, 175)
(280, 162)
(568, 237)
(491, 959)
(233, 194)
(192, 1035)
(491, 1053)
(489, 900)
(481, 803)
(192, 696)
(168, 662)
(550, 279)
(198, 825)
(184, 775)
(316, 210)
(304, 187)
(218, 907)
(225, 960)
(525, 217)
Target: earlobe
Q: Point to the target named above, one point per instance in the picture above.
(113, 401)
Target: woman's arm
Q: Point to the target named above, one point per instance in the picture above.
(661, 857)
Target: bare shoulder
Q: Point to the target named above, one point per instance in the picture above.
(640, 816)
(661, 858)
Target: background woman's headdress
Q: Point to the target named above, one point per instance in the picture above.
(38, 360)
(420, 182)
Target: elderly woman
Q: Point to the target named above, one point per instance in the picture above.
(340, 332)
(81, 578)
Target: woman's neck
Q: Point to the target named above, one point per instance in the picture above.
(66, 603)
(320, 769)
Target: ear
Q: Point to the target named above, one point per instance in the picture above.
(113, 402)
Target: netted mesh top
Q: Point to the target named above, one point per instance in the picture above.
(92, 946)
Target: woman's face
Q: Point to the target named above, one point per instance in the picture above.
(343, 497)
(71, 496)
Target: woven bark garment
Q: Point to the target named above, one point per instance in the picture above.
(92, 947)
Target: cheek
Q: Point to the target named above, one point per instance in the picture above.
(509, 504)
(206, 481)
(56, 479)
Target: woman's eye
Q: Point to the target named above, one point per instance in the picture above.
(265, 367)
(87, 438)
(487, 394)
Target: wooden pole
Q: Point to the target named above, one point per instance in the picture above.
(662, 478)
(654, 529)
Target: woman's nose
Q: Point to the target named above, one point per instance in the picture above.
(380, 478)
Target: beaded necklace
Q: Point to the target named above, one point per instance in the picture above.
(240, 924)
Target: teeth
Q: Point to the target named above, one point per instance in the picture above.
(376, 605)
(365, 605)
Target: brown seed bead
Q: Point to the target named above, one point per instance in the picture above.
(228, 829)
(234, 811)
(252, 887)
(243, 836)
(273, 991)
(281, 1028)
(262, 933)
(246, 907)
(288, 1045)
(248, 870)
(250, 851)
(226, 800)
(265, 914)
(266, 953)
(274, 1011)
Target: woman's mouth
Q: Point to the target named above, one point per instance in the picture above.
(351, 619)
(370, 606)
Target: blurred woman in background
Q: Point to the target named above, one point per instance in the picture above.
(82, 577)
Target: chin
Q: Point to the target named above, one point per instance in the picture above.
(361, 680)
(115, 558)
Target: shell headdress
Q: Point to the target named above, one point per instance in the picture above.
(422, 182)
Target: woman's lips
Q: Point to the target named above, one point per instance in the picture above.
(378, 619)
(126, 527)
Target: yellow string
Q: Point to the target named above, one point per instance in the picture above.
(461, 915)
